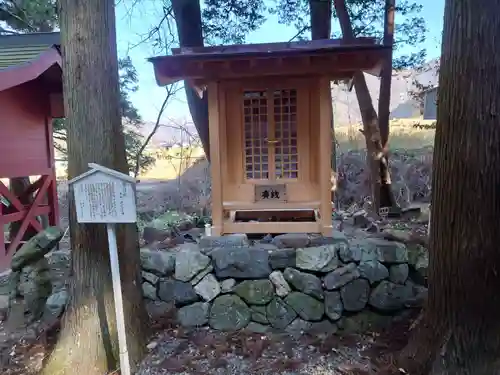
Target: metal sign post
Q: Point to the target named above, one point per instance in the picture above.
(105, 196)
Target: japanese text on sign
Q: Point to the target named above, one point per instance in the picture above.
(105, 201)
(270, 194)
(275, 192)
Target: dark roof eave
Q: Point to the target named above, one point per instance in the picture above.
(276, 46)
(270, 54)
(49, 38)
(166, 62)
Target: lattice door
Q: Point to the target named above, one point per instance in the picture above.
(270, 134)
(256, 133)
(285, 130)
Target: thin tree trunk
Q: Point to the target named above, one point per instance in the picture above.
(384, 104)
(88, 340)
(187, 15)
(369, 117)
(459, 334)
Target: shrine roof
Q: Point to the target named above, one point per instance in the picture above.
(338, 58)
(25, 57)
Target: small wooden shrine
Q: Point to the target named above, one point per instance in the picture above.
(30, 97)
(270, 127)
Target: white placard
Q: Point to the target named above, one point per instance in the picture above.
(103, 198)
(103, 195)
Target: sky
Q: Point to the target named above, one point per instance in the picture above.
(134, 23)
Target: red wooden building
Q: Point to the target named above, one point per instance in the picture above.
(30, 97)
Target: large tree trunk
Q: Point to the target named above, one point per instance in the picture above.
(459, 331)
(187, 15)
(88, 340)
(321, 19)
(378, 162)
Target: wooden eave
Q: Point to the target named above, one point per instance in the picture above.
(26, 57)
(29, 57)
(28, 71)
(30, 39)
(335, 59)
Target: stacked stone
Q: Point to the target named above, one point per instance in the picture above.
(29, 287)
(293, 282)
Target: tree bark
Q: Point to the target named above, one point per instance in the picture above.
(459, 335)
(88, 340)
(187, 15)
(384, 105)
(321, 19)
(384, 102)
(370, 121)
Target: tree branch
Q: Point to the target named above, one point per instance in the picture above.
(15, 16)
(299, 33)
(171, 91)
(165, 19)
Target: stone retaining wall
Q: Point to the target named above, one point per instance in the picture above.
(291, 282)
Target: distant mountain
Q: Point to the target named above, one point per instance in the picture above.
(170, 133)
(345, 104)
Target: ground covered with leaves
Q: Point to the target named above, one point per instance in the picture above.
(174, 350)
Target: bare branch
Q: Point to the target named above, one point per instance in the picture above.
(299, 33)
(15, 16)
(155, 32)
(171, 91)
(182, 129)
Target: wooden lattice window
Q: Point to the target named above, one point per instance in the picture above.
(270, 128)
(256, 134)
(285, 130)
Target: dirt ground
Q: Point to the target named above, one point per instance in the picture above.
(174, 350)
(241, 353)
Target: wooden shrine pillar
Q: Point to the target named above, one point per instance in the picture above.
(216, 118)
(325, 152)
